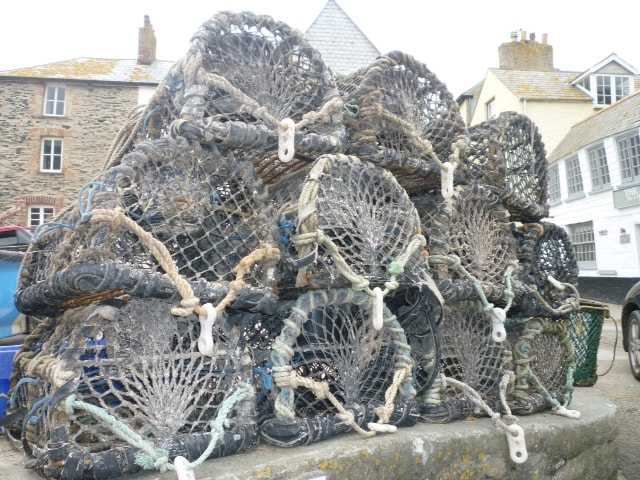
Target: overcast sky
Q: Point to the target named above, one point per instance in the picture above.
(457, 39)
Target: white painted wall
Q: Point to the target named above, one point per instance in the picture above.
(608, 221)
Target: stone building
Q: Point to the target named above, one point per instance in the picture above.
(57, 122)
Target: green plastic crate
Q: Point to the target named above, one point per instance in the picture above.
(585, 328)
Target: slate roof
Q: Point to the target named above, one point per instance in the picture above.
(620, 117)
(553, 85)
(97, 70)
(341, 43)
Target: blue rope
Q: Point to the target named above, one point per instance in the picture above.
(175, 85)
(85, 214)
(21, 382)
(267, 381)
(35, 419)
(147, 117)
(47, 227)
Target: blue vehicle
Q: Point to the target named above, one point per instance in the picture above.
(13, 242)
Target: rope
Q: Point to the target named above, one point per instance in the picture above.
(189, 303)
(117, 218)
(156, 458)
(244, 392)
(513, 432)
(151, 456)
(498, 315)
(321, 391)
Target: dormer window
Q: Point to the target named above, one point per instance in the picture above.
(611, 88)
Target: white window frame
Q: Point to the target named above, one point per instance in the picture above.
(619, 86)
(553, 186)
(48, 160)
(575, 186)
(628, 146)
(583, 244)
(44, 213)
(490, 108)
(600, 178)
(52, 94)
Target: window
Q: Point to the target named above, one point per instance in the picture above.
(554, 185)
(574, 177)
(583, 244)
(54, 101)
(629, 154)
(51, 155)
(611, 88)
(39, 215)
(599, 169)
(491, 108)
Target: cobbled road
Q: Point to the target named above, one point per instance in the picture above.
(617, 383)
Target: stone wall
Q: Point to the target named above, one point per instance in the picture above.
(94, 114)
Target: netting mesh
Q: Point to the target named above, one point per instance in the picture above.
(333, 369)
(356, 225)
(507, 153)
(401, 116)
(549, 270)
(470, 239)
(272, 252)
(130, 369)
(470, 356)
(207, 211)
(544, 358)
(585, 327)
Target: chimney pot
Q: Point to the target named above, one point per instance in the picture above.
(523, 35)
(147, 21)
(514, 36)
(544, 39)
(532, 37)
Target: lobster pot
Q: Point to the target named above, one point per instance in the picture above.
(356, 227)
(116, 387)
(471, 356)
(332, 370)
(169, 205)
(545, 254)
(471, 245)
(241, 77)
(507, 153)
(544, 360)
(399, 115)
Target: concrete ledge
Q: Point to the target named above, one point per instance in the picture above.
(559, 448)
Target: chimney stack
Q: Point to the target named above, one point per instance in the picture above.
(526, 54)
(146, 43)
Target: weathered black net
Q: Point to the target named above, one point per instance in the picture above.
(333, 370)
(471, 356)
(549, 276)
(200, 212)
(271, 252)
(507, 153)
(471, 244)
(544, 359)
(122, 380)
(399, 115)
